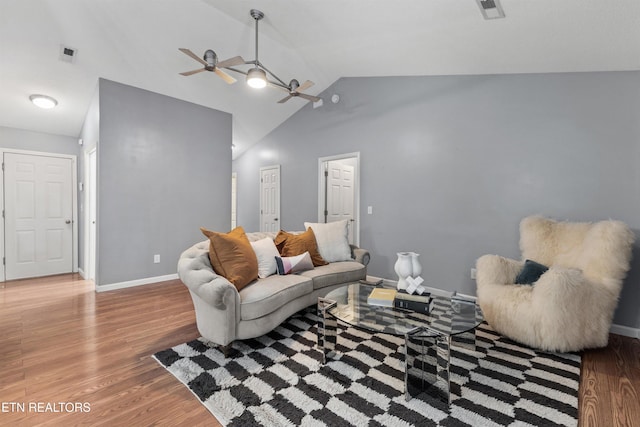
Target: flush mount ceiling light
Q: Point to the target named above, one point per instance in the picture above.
(491, 9)
(43, 101)
(256, 76)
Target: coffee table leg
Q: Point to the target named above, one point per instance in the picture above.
(466, 340)
(427, 364)
(444, 356)
(327, 328)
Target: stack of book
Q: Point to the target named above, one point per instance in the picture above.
(414, 302)
(392, 298)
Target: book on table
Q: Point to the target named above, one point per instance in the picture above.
(382, 296)
(417, 306)
(423, 298)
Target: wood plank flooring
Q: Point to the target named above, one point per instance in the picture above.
(62, 342)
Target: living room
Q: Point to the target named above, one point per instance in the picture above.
(451, 158)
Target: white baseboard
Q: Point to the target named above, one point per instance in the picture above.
(138, 282)
(627, 331)
(81, 273)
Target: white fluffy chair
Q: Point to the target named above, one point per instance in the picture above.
(571, 305)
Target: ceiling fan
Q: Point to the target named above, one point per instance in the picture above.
(295, 89)
(211, 63)
(256, 75)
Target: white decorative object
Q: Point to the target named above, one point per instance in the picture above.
(408, 269)
(415, 264)
(403, 268)
(414, 285)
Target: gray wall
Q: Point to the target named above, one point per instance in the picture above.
(36, 141)
(164, 170)
(451, 164)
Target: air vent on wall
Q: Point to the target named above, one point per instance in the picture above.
(491, 9)
(68, 54)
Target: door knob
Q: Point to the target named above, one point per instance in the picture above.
(275, 219)
(68, 221)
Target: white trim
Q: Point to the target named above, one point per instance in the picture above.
(81, 273)
(138, 282)
(627, 331)
(321, 161)
(86, 192)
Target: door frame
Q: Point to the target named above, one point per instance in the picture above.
(86, 188)
(74, 201)
(356, 203)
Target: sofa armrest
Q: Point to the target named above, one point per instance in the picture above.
(497, 270)
(360, 255)
(195, 271)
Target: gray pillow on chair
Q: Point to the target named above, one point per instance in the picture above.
(530, 273)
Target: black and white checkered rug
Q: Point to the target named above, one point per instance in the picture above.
(279, 380)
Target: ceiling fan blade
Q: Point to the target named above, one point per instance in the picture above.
(193, 55)
(309, 97)
(285, 99)
(226, 77)
(236, 60)
(304, 86)
(189, 73)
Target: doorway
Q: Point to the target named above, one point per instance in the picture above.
(339, 191)
(40, 212)
(270, 198)
(91, 202)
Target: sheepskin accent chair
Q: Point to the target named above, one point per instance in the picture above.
(571, 306)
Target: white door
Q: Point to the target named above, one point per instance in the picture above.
(92, 188)
(340, 196)
(38, 215)
(270, 198)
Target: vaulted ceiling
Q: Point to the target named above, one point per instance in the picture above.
(136, 42)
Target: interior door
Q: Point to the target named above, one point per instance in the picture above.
(270, 198)
(92, 188)
(38, 215)
(340, 196)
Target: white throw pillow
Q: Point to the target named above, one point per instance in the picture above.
(332, 239)
(266, 253)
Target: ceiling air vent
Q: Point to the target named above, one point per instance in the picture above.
(68, 54)
(491, 9)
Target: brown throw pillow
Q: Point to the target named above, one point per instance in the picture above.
(232, 257)
(295, 244)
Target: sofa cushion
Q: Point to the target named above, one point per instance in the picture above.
(267, 295)
(232, 257)
(335, 273)
(296, 244)
(294, 264)
(333, 240)
(266, 253)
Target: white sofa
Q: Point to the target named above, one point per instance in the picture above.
(224, 314)
(570, 307)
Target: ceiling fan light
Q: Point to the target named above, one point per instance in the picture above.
(43, 101)
(257, 78)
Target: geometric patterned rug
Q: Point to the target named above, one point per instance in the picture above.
(278, 380)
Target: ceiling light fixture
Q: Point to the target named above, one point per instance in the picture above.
(43, 101)
(256, 76)
(491, 9)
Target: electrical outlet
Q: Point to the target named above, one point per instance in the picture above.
(156, 259)
(473, 273)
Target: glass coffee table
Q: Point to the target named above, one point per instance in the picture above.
(427, 337)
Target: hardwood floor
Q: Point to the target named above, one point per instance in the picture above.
(62, 342)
